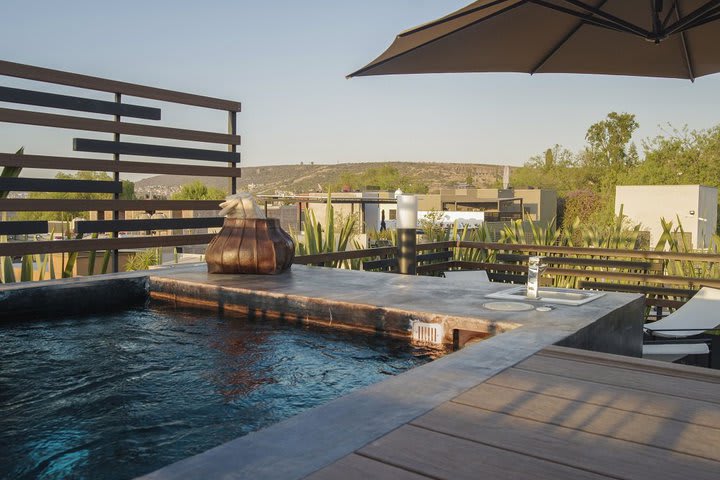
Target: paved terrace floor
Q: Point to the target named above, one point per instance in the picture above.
(561, 414)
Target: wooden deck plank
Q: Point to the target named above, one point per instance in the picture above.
(443, 456)
(621, 377)
(682, 409)
(596, 453)
(634, 427)
(631, 363)
(356, 467)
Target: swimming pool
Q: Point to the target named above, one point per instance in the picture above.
(121, 394)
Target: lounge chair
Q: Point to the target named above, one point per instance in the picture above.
(669, 339)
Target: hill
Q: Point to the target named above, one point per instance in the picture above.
(306, 178)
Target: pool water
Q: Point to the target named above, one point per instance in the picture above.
(122, 394)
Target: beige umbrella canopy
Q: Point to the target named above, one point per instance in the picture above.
(652, 38)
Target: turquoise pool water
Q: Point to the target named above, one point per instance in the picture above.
(118, 395)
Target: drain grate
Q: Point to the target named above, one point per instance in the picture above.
(427, 332)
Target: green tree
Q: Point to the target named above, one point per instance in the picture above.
(555, 169)
(128, 190)
(610, 154)
(681, 157)
(198, 191)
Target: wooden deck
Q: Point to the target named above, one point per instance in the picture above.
(561, 414)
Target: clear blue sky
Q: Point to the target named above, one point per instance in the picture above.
(286, 62)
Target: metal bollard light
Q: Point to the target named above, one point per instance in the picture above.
(407, 234)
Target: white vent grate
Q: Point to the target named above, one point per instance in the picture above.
(427, 332)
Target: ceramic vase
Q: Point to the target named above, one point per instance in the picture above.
(250, 245)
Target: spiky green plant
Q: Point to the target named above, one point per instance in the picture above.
(8, 273)
(480, 234)
(143, 260)
(549, 235)
(322, 240)
(513, 233)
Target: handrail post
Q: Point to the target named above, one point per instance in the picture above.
(116, 196)
(232, 130)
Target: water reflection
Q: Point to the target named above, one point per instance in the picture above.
(118, 395)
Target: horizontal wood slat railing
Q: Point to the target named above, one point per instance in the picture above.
(72, 205)
(147, 150)
(94, 244)
(80, 104)
(597, 252)
(94, 125)
(59, 77)
(584, 262)
(321, 258)
(102, 226)
(23, 227)
(87, 164)
(50, 185)
(115, 126)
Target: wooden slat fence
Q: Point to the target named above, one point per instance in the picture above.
(117, 109)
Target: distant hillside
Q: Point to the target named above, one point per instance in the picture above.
(305, 178)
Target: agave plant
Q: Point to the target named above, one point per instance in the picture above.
(322, 240)
(144, 259)
(479, 234)
(8, 272)
(513, 233)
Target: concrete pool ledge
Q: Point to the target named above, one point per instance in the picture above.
(320, 436)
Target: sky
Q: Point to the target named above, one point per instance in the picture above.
(286, 61)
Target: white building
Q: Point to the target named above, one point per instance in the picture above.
(694, 205)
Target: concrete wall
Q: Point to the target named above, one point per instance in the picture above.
(429, 202)
(372, 211)
(540, 204)
(694, 205)
(287, 214)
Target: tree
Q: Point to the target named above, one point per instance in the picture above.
(681, 157)
(555, 169)
(610, 154)
(198, 191)
(128, 190)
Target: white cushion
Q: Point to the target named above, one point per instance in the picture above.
(669, 352)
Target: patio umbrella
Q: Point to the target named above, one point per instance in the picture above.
(653, 38)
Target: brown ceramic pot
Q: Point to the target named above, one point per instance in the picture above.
(250, 245)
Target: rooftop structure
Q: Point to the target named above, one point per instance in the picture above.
(693, 206)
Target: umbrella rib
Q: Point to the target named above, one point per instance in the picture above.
(449, 18)
(683, 42)
(612, 18)
(669, 14)
(375, 65)
(559, 45)
(697, 14)
(588, 17)
(710, 16)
